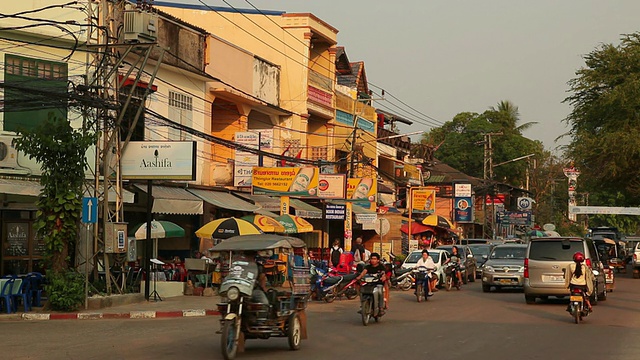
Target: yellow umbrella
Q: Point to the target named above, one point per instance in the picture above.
(294, 224)
(227, 227)
(265, 223)
(437, 220)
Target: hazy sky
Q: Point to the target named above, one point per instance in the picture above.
(446, 57)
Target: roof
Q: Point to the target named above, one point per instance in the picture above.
(443, 173)
(389, 117)
(216, 8)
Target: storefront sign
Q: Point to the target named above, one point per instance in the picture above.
(463, 209)
(348, 234)
(335, 211)
(414, 175)
(295, 182)
(363, 191)
(495, 200)
(461, 190)
(244, 160)
(167, 160)
(332, 186)
(514, 218)
(423, 201)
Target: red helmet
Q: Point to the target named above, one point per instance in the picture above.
(578, 257)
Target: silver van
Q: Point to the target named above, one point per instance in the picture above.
(545, 262)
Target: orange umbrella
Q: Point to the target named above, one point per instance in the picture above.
(265, 223)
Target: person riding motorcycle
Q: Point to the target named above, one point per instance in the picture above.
(375, 267)
(578, 275)
(427, 262)
(455, 258)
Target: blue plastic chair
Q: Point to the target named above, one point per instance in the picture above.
(5, 294)
(36, 288)
(23, 294)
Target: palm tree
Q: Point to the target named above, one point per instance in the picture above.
(511, 116)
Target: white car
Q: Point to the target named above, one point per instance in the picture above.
(438, 256)
(635, 261)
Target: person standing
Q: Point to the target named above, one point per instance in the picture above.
(336, 252)
(358, 251)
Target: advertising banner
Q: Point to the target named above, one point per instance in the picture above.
(463, 209)
(514, 218)
(245, 161)
(362, 191)
(166, 160)
(348, 233)
(332, 186)
(423, 201)
(294, 182)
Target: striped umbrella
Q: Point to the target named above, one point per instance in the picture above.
(265, 223)
(437, 220)
(227, 227)
(294, 224)
(160, 229)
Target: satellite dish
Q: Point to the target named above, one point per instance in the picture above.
(549, 227)
(382, 227)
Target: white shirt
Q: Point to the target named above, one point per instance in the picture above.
(429, 264)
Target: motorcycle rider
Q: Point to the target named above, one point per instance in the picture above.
(578, 275)
(427, 262)
(455, 258)
(373, 268)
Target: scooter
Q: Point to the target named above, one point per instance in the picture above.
(422, 276)
(400, 278)
(451, 270)
(371, 299)
(577, 304)
(326, 287)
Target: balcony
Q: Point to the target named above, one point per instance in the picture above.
(402, 142)
(320, 81)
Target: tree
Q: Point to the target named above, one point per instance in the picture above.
(60, 150)
(605, 125)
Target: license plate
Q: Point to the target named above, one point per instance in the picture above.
(553, 278)
(575, 298)
(506, 281)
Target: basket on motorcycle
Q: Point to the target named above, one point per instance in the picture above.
(301, 283)
(420, 275)
(367, 289)
(448, 270)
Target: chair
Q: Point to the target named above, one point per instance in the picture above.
(24, 294)
(5, 293)
(36, 280)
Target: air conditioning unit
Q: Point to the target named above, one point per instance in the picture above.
(140, 27)
(8, 154)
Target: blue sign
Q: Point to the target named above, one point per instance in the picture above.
(89, 210)
(366, 125)
(462, 209)
(522, 218)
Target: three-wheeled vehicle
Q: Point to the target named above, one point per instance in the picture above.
(247, 312)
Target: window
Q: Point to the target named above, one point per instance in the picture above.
(33, 89)
(180, 111)
(554, 250)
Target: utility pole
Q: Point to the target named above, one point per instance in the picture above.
(488, 177)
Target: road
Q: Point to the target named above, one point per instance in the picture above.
(453, 325)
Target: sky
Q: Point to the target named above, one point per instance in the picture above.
(444, 57)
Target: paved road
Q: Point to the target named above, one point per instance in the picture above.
(454, 325)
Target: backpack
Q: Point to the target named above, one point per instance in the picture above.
(335, 256)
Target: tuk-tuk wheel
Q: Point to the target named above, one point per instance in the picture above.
(228, 341)
(294, 331)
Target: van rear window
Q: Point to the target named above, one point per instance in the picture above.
(553, 250)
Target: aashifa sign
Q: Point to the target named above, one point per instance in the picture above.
(167, 160)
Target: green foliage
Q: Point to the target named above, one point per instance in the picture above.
(65, 290)
(60, 150)
(400, 258)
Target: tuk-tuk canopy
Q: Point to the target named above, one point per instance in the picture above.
(258, 242)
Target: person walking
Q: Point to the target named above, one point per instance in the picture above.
(336, 252)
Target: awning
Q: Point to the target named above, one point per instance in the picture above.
(20, 187)
(224, 200)
(170, 200)
(416, 228)
(127, 196)
(305, 210)
(266, 202)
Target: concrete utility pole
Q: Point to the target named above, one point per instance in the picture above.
(488, 177)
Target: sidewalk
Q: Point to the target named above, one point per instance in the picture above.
(179, 306)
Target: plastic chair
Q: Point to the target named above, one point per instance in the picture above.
(5, 294)
(23, 294)
(36, 288)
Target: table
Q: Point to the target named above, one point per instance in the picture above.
(16, 285)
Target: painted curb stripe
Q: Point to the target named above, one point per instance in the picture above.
(28, 316)
(63, 316)
(142, 314)
(89, 316)
(191, 313)
(168, 314)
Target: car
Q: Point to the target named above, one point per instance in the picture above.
(474, 241)
(438, 256)
(547, 258)
(505, 267)
(469, 264)
(481, 253)
(635, 261)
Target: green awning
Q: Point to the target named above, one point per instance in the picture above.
(305, 210)
(224, 200)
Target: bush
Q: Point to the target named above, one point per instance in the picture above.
(65, 291)
(400, 258)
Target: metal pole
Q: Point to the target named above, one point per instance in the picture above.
(324, 228)
(148, 244)
(86, 268)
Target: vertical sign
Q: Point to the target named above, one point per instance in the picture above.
(348, 235)
(572, 175)
(284, 205)
(89, 210)
(462, 203)
(244, 160)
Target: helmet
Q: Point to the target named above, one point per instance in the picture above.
(578, 257)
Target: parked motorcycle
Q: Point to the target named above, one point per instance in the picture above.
(451, 271)
(422, 275)
(577, 304)
(400, 278)
(327, 286)
(371, 299)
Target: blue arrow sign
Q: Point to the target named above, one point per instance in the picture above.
(89, 210)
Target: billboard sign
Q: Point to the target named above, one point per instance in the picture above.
(290, 181)
(162, 160)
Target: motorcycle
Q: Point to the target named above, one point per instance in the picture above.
(327, 287)
(422, 275)
(401, 279)
(577, 304)
(451, 270)
(371, 298)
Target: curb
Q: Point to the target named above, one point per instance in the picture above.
(99, 316)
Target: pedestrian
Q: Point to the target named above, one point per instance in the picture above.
(336, 252)
(358, 250)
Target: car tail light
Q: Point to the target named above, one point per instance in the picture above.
(588, 262)
(526, 268)
(635, 257)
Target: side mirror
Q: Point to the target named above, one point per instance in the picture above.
(596, 272)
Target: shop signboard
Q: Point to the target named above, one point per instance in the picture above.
(290, 181)
(423, 200)
(162, 160)
(332, 186)
(463, 209)
(335, 211)
(362, 192)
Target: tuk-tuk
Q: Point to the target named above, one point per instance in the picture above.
(246, 313)
(613, 251)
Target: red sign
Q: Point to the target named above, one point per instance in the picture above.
(319, 97)
(498, 199)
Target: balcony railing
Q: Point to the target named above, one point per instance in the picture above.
(320, 81)
(398, 142)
